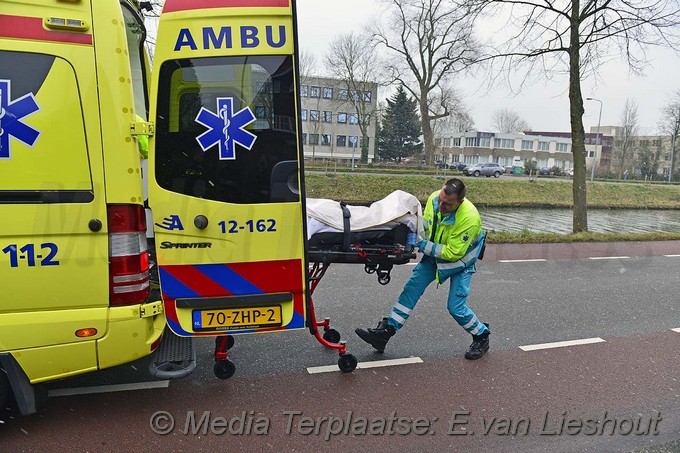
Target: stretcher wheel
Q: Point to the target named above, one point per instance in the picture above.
(230, 342)
(224, 369)
(331, 336)
(384, 279)
(370, 268)
(347, 363)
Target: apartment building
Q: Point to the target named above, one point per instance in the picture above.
(548, 149)
(331, 116)
(506, 149)
(645, 155)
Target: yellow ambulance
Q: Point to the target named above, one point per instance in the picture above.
(224, 182)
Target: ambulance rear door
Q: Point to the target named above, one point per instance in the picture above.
(225, 168)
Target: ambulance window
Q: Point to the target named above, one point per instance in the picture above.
(136, 35)
(43, 151)
(223, 124)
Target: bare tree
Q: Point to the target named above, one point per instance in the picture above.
(624, 148)
(670, 124)
(352, 59)
(430, 41)
(506, 120)
(576, 37)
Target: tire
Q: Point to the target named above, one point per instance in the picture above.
(331, 336)
(347, 363)
(5, 389)
(476, 174)
(497, 174)
(224, 369)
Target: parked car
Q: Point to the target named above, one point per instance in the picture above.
(460, 166)
(442, 165)
(569, 172)
(544, 171)
(487, 170)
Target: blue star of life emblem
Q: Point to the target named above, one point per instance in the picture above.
(11, 115)
(226, 128)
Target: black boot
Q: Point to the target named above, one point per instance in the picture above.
(479, 346)
(377, 337)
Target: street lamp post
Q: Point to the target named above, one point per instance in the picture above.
(354, 148)
(675, 133)
(597, 140)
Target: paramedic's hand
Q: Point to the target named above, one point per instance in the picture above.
(426, 247)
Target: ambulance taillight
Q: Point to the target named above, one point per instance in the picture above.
(128, 255)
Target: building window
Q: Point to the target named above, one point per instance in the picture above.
(303, 113)
(314, 92)
(367, 96)
(327, 93)
(342, 117)
(446, 142)
(313, 115)
(543, 146)
(367, 118)
(304, 91)
(563, 147)
(471, 141)
(527, 144)
(506, 143)
(352, 140)
(327, 116)
(341, 140)
(456, 142)
(313, 139)
(342, 94)
(326, 139)
(304, 138)
(353, 118)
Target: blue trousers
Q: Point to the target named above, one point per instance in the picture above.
(423, 274)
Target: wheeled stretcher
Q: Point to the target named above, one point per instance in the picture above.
(378, 237)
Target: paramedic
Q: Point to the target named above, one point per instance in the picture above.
(454, 241)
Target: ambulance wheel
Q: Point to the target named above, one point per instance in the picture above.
(224, 369)
(230, 342)
(347, 363)
(331, 336)
(5, 389)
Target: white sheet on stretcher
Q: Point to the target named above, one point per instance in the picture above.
(398, 207)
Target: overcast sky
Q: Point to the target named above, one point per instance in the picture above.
(544, 106)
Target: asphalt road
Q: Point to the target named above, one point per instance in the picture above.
(617, 391)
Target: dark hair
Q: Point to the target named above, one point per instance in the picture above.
(455, 186)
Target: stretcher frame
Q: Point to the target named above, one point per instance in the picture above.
(378, 259)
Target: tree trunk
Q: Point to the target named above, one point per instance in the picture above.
(580, 214)
(428, 137)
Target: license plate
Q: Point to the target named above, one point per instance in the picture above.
(237, 318)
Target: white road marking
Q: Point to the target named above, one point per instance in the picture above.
(374, 364)
(677, 329)
(412, 263)
(535, 260)
(561, 344)
(608, 257)
(672, 256)
(109, 388)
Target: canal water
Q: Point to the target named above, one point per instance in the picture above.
(599, 220)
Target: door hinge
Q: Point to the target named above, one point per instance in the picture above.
(141, 128)
(151, 309)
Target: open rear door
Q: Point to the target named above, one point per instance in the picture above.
(225, 167)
